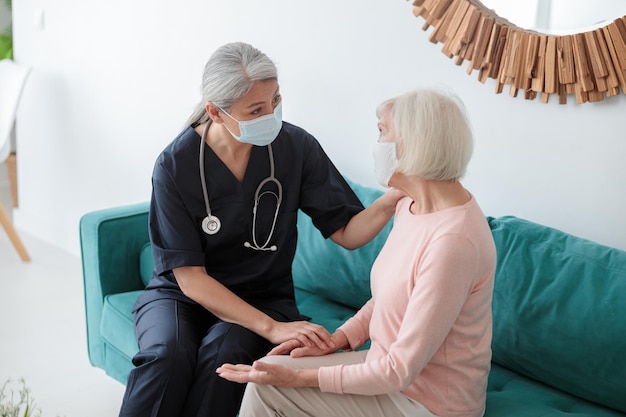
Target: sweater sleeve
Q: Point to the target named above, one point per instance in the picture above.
(441, 286)
(356, 328)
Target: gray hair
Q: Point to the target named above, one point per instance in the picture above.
(433, 134)
(228, 75)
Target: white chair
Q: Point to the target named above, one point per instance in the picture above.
(12, 79)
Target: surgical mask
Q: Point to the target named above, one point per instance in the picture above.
(260, 131)
(385, 161)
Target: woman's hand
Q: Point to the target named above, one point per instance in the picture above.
(296, 349)
(364, 226)
(268, 374)
(391, 198)
(306, 334)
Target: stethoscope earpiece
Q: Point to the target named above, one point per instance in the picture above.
(272, 248)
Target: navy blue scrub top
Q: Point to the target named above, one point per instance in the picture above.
(310, 182)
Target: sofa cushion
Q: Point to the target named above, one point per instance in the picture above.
(117, 327)
(559, 310)
(509, 393)
(328, 270)
(146, 263)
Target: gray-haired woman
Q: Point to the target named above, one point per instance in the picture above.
(223, 212)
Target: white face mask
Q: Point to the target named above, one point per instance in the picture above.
(385, 161)
(260, 131)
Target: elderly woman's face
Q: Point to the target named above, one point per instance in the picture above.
(385, 127)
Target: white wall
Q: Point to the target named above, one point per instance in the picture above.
(114, 81)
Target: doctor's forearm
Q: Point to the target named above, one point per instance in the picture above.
(365, 225)
(220, 301)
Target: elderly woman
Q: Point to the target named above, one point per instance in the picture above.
(429, 318)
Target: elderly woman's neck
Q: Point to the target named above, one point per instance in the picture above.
(430, 196)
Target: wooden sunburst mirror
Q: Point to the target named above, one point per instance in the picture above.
(590, 65)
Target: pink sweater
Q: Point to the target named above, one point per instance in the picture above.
(429, 318)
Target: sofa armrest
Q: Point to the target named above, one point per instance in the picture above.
(111, 242)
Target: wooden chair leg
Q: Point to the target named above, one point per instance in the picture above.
(12, 168)
(15, 239)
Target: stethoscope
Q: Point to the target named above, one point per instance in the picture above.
(211, 224)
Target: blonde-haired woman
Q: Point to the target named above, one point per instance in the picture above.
(429, 318)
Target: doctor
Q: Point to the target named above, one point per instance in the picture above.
(223, 213)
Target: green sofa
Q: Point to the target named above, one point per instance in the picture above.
(559, 344)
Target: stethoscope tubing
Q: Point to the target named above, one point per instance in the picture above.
(211, 224)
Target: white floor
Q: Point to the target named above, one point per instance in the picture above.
(42, 329)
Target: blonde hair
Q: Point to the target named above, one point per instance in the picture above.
(433, 134)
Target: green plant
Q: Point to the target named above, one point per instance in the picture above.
(6, 38)
(20, 405)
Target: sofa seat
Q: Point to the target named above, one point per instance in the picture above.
(506, 389)
(117, 326)
(511, 394)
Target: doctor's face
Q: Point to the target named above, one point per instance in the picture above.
(261, 100)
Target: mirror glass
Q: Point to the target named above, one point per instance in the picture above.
(558, 17)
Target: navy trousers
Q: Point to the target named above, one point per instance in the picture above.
(180, 346)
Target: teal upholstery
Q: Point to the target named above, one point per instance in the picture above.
(339, 274)
(560, 310)
(111, 245)
(559, 306)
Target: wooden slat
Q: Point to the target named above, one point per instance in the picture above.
(490, 52)
(485, 25)
(595, 56)
(521, 80)
(530, 95)
(621, 27)
(611, 79)
(468, 49)
(598, 68)
(531, 56)
(562, 94)
(581, 96)
(470, 29)
(594, 96)
(468, 34)
(621, 74)
(551, 80)
(432, 18)
(538, 83)
(618, 43)
(455, 43)
(439, 34)
(583, 72)
(440, 7)
(457, 18)
(498, 50)
(417, 12)
(565, 54)
(511, 54)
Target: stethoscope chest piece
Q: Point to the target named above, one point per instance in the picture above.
(211, 225)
